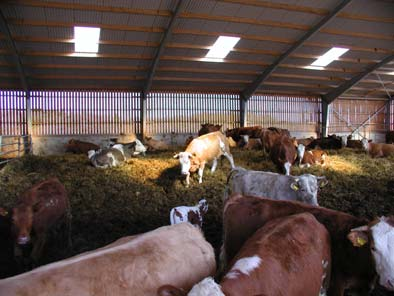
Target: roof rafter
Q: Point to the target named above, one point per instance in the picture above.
(4, 28)
(164, 41)
(332, 95)
(249, 90)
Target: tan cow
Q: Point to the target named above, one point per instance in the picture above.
(201, 150)
(138, 265)
(155, 145)
(377, 149)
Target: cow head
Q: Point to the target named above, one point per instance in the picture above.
(189, 162)
(365, 143)
(306, 187)
(379, 236)
(203, 206)
(22, 219)
(139, 147)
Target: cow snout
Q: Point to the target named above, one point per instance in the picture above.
(23, 240)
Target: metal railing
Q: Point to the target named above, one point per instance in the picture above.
(10, 150)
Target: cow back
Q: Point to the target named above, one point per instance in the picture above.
(209, 146)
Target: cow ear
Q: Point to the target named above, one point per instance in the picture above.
(176, 155)
(294, 186)
(322, 181)
(358, 237)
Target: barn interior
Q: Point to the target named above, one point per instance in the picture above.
(150, 73)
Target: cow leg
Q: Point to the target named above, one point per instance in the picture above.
(230, 159)
(37, 248)
(200, 172)
(214, 165)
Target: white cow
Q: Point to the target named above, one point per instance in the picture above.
(201, 150)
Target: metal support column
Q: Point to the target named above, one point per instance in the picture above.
(143, 99)
(389, 119)
(325, 114)
(243, 106)
(29, 125)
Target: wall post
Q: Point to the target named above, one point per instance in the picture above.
(325, 116)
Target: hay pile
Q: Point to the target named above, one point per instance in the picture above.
(137, 197)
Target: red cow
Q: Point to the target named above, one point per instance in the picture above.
(271, 135)
(76, 146)
(37, 210)
(283, 153)
(207, 128)
(287, 256)
(352, 264)
(251, 131)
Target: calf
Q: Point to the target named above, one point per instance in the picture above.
(311, 157)
(208, 128)
(275, 186)
(38, 209)
(136, 265)
(352, 266)
(193, 215)
(76, 146)
(131, 149)
(283, 154)
(287, 256)
(201, 150)
(110, 157)
(155, 145)
(377, 149)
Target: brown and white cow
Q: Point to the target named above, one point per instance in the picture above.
(76, 146)
(378, 149)
(287, 256)
(352, 265)
(39, 209)
(251, 131)
(283, 153)
(201, 150)
(207, 128)
(193, 215)
(253, 144)
(301, 188)
(270, 135)
(137, 265)
(311, 157)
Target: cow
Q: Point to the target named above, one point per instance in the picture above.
(193, 215)
(107, 158)
(275, 186)
(330, 142)
(201, 150)
(207, 128)
(311, 157)
(287, 256)
(155, 145)
(305, 141)
(284, 154)
(269, 136)
(251, 131)
(253, 144)
(39, 209)
(8, 265)
(134, 265)
(390, 137)
(352, 259)
(76, 146)
(377, 149)
(231, 142)
(132, 148)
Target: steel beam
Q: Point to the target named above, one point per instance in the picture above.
(143, 99)
(251, 89)
(332, 95)
(4, 28)
(167, 35)
(243, 105)
(325, 112)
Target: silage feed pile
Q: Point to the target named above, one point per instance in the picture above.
(138, 196)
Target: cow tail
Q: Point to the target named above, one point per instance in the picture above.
(172, 222)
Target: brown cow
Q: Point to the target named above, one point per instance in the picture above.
(37, 210)
(283, 153)
(311, 157)
(137, 265)
(253, 144)
(390, 137)
(207, 128)
(155, 145)
(378, 149)
(352, 267)
(76, 146)
(201, 150)
(271, 135)
(287, 256)
(251, 131)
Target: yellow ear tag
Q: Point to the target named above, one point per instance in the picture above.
(361, 241)
(294, 187)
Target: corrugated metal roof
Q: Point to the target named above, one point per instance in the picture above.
(133, 30)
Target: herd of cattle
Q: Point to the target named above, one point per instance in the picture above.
(277, 240)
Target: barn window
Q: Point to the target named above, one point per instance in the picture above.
(331, 55)
(221, 48)
(86, 39)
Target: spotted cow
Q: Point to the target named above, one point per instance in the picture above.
(193, 215)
